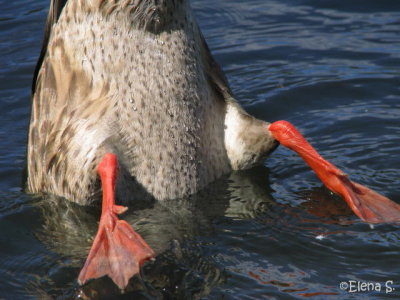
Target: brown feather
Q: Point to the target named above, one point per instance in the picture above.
(137, 79)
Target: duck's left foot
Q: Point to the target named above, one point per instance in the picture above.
(370, 206)
(117, 251)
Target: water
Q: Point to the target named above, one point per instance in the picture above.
(329, 67)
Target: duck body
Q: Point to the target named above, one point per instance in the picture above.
(134, 78)
(128, 90)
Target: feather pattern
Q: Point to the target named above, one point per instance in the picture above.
(137, 79)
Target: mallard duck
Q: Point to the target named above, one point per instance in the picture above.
(128, 89)
(131, 85)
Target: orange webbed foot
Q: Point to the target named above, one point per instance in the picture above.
(367, 204)
(117, 251)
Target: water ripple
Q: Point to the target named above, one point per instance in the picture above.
(329, 67)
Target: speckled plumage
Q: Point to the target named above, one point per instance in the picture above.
(135, 78)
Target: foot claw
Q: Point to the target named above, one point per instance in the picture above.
(119, 209)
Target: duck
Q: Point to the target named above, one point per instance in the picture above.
(129, 105)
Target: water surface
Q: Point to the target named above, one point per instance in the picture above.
(329, 67)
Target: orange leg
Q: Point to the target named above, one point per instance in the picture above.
(365, 203)
(117, 251)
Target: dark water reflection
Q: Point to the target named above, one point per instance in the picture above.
(331, 68)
